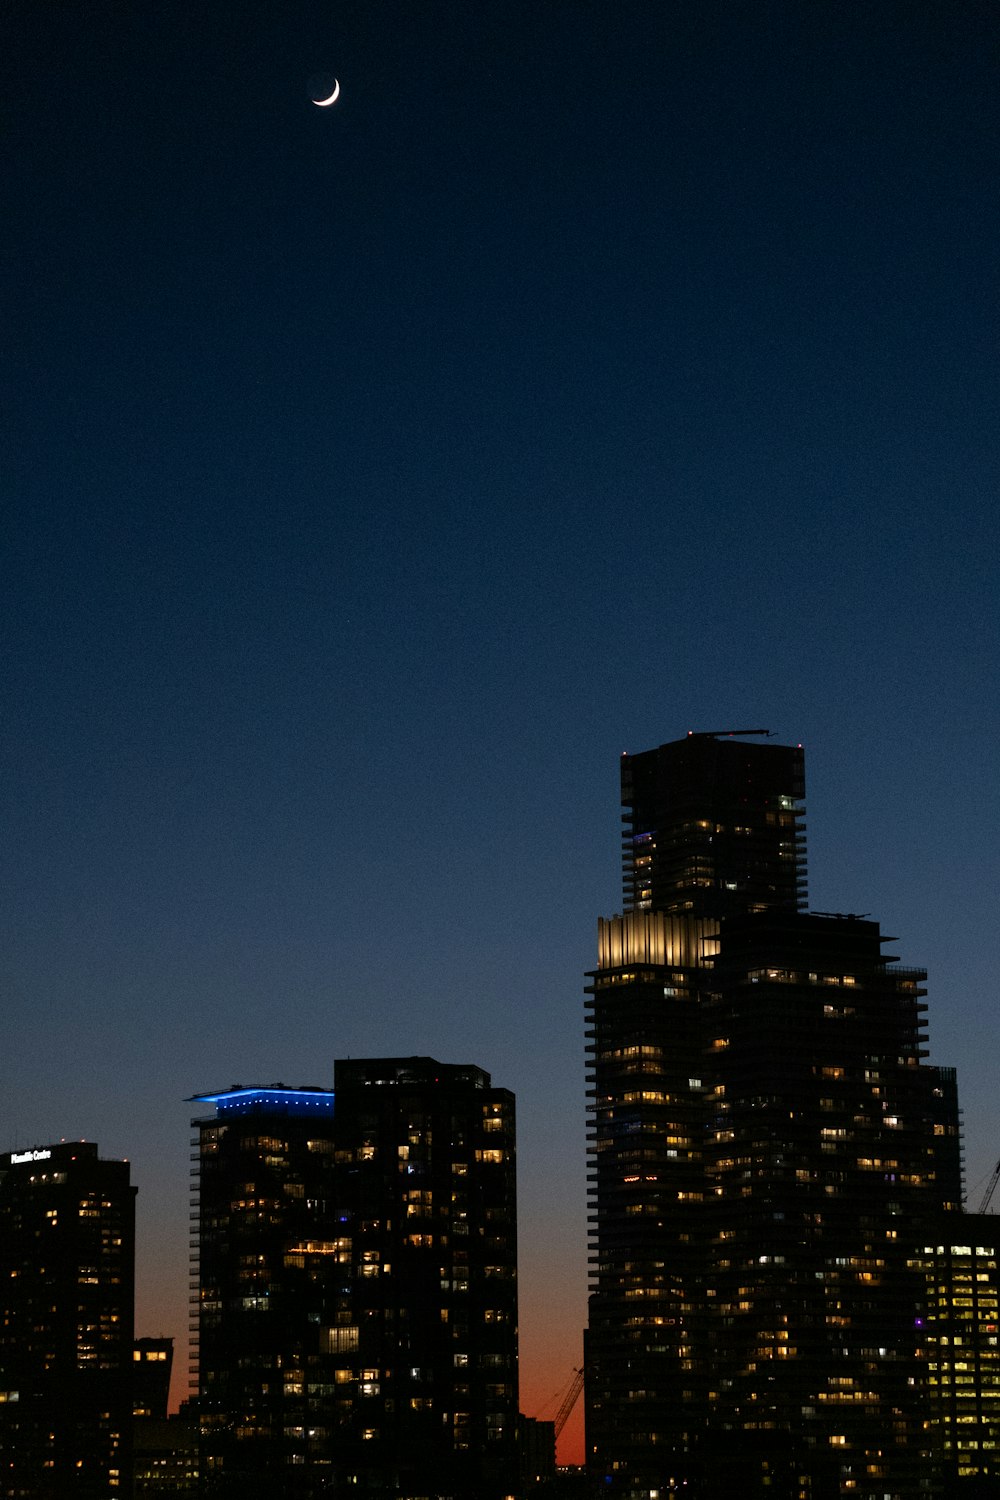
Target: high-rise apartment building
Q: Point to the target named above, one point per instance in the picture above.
(67, 1286)
(356, 1285)
(765, 1135)
(958, 1263)
(429, 1189)
(268, 1245)
(828, 1139)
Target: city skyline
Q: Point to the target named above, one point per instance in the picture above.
(149, 1301)
(380, 473)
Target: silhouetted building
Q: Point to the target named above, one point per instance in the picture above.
(165, 1449)
(357, 1286)
(166, 1456)
(429, 1190)
(765, 1136)
(713, 826)
(270, 1248)
(538, 1456)
(152, 1364)
(828, 1139)
(67, 1285)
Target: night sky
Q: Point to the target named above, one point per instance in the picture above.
(586, 374)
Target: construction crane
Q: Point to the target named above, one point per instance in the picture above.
(570, 1399)
(990, 1189)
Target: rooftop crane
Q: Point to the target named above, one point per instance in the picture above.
(990, 1189)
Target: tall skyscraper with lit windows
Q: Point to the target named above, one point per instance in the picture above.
(765, 1135)
(67, 1287)
(268, 1242)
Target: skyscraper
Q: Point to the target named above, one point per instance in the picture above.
(67, 1286)
(765, 1133)
(959, 1333)
(713, 826)
(430, 1191)
(828, 1141)
(269, 1239)
(357, 1285)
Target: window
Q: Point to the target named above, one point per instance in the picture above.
(340, 1340)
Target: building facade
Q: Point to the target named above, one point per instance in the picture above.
(356, 1288)
(646, 1379)
(67, 1287)
(166, 1456)
(765, 1134)
(268, 1245)
(429, 1189)
(828, 1138)
(958, 1264)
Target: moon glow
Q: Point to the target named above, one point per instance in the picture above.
(322, 103)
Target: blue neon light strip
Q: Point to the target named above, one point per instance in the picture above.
(298, 1099)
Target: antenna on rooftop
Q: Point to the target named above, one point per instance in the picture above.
(724, 733)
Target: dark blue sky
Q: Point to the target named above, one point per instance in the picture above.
(588, 373)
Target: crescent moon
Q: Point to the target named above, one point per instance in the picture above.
(333, 97)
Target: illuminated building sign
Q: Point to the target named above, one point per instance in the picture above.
(17, 1157)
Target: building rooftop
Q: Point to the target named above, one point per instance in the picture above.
(272, 1098)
